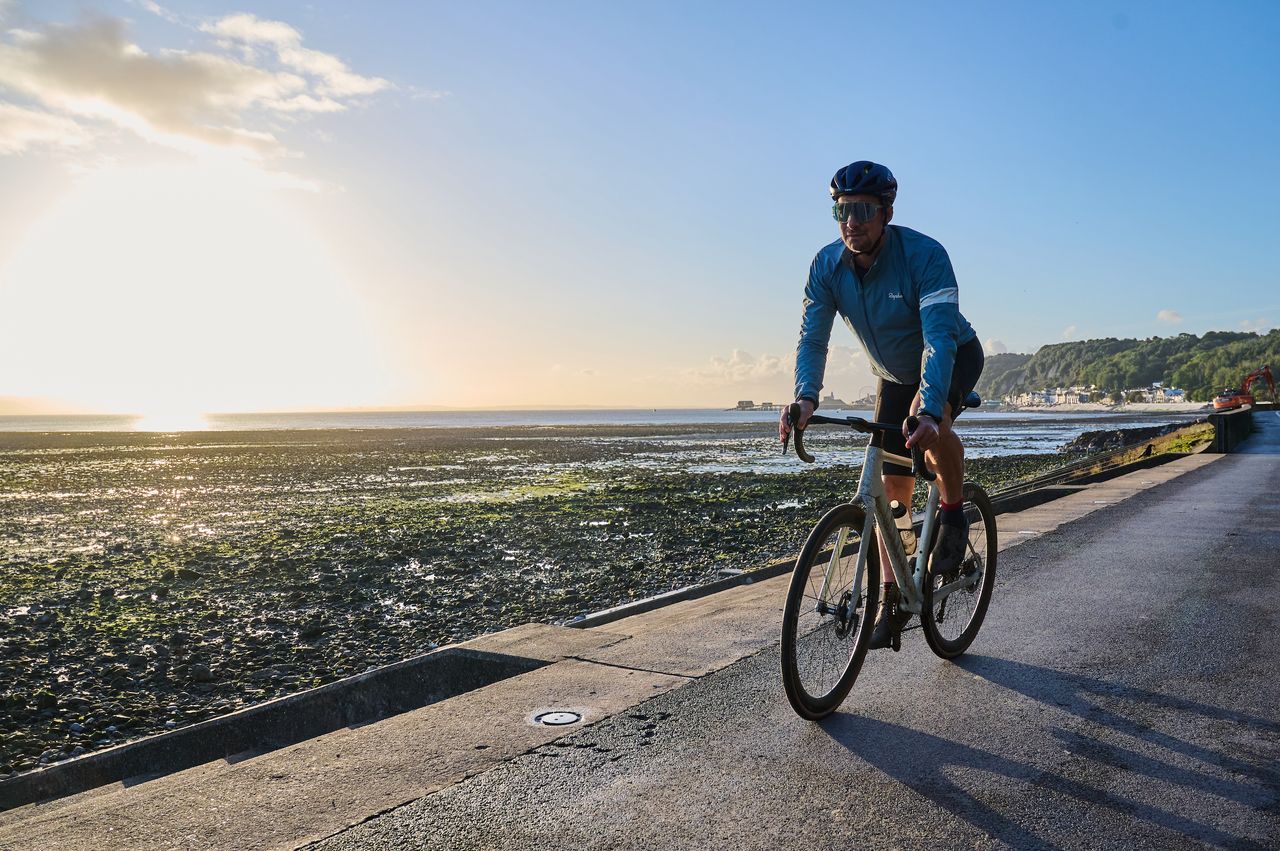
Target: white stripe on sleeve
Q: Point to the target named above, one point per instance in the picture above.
(951, 295)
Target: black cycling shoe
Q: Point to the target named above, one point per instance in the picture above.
(949, 551)
(889, 620)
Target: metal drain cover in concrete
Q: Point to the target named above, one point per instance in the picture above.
(558, 718)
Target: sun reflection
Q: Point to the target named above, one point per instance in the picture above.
(171, 421)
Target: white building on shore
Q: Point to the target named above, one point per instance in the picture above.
(1048, 398)
(1155, 394)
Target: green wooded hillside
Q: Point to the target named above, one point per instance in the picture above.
(1202, 366)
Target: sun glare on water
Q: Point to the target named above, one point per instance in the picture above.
(171, 421)
(183, 288)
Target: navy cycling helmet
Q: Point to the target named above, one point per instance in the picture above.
(865, 178)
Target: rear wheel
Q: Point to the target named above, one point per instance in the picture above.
(824, 637)
(954, 605)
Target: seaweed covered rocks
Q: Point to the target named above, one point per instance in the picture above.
(150, 581)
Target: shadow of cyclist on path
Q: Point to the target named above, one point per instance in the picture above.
(1086, 697)
(936, 768)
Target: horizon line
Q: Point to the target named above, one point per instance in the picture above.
(382, 409)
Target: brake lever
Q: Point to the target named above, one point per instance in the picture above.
(918, 467)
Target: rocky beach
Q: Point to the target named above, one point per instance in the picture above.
(153, 580)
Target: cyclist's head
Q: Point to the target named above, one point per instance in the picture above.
(864, 193)
(865, 178)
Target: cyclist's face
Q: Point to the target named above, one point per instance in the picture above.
(861, 237)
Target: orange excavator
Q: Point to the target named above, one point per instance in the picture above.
(1236, 397)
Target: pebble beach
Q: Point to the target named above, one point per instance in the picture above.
(154, 580)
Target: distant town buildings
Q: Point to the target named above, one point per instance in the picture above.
(828, 402)
(1155, 394)
(1048, 398)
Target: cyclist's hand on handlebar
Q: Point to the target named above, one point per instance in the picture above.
(784, 425)
(925, 435)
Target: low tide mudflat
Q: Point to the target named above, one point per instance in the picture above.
(153, 580)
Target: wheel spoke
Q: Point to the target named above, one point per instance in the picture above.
(826, 638)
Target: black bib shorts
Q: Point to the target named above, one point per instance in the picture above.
(893, 405)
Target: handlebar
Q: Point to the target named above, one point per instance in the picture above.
(918, 467)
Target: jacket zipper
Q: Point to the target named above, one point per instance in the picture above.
(866, 320)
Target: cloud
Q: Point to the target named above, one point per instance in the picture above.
(155, 9)
(21, 129)
(416, 93)
(1170, 316)
(251, 28)
(995, 347)
(333, 77)
(1068, 332)
(1259, 325)
(843, 362)
(742, 367)
(89, 74)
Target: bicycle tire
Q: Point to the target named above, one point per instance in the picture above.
(937, 623)
(822, 653)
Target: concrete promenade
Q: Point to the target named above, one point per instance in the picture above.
(1121, 694)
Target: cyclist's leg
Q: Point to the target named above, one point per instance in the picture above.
(893, 403)
(946, 457)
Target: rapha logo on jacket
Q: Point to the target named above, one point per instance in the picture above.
(895, 295)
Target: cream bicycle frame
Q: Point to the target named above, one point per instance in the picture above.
(871, 497)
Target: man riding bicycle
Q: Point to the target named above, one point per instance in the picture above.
(895, 289)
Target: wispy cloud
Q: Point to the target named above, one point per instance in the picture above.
(90, 81)
(157, 10)
(742, 367)
(1259, 325)
(995, 347)
(21, 129)
(332, 78)
(1068, 332)
(1171, 316)
(416, 93)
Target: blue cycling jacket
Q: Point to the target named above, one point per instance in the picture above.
(905, 310)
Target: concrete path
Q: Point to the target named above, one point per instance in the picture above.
(1110, 682)
(1265, 439)
(1122, 694)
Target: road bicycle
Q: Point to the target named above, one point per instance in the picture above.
(835, 588)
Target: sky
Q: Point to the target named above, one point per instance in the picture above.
(264, 206)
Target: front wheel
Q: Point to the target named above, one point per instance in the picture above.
(954, 605)
(825, 633)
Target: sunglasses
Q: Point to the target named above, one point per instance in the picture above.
(861, 211)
